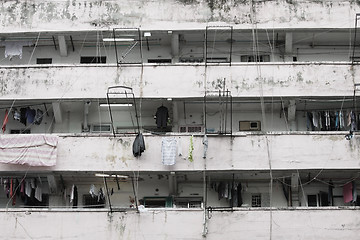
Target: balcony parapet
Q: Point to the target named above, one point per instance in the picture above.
(157, 81)
(299, 150)
(158, 15)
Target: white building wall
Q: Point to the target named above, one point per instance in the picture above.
(242, 152)
(62, 82)
(92, 14)
(181, 224)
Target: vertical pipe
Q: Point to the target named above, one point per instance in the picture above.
(107, 193)
(231, 43)
(116, 52)
(111, 117)
(354, 44)
(135, 196)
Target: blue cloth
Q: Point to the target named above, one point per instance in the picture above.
(30, 115)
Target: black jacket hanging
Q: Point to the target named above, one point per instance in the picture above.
(162, 115)
(138, 145)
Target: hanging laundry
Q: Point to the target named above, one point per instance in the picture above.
(23, 116)
(179, 147)
(206, 145)
(239, 197)
(7, 187)
(162, 115)
(22, 189)
(337, 121)
(28, 188)
(6, 119)
(138, 145)
(341, 120)
(74, 196)
(38, 117)
(309, 122)
(14, 48)
(353, 121)
(38, 193)
(168, 150)
(320, 120)
(348, 192)
(93, 191)
(52, 183)
(30, 115)
(354, 192)
(16, 115)
(348, 118)
(101, 196)
(315, 119)
(327, 120)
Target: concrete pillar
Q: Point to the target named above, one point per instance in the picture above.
(295, 189)
(62, 46)
(289, 47)
(292, 115)
(175, 47)
(175, 120)
(57, 112)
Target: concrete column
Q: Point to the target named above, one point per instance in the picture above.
(175, 120)
(175, 47)
(289, 47)
(62, 46)
(295, 190)
(292, 115)
(57, 112)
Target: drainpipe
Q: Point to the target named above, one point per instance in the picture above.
(86, 112)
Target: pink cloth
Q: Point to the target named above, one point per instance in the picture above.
(347, 192)
(29, 149)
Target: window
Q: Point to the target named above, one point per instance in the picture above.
(191, 129)
(192, 202)
(191, 60)
(324, 199)
(312, 200)
(256, 200)
(217, 60)
(93, 59)
(32, 201)
(97, 128)
(44, 61)
(158, 202)
(20, 131)
(249, 125)
(159, 60)
(251, 58)
(92, 202)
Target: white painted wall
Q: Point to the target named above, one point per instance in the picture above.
(314, 79)
(242, 152)
(185, 224)
(94, 14)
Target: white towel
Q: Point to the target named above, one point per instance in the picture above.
(168, 150)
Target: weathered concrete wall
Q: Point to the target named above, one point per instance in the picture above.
(188, 224)
(310, 79)
(314, 151)
(34, 15)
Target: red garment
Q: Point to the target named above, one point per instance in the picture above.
(347, 192)
(11, 188)
(6, 119)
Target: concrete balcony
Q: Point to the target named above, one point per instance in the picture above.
(240, 152)
(331, 223)
(158, 81)
(80, 14)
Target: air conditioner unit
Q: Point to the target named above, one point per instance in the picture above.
(101, 128)
(190, 128)
(249, 125)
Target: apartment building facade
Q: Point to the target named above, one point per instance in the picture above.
(179, 119)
